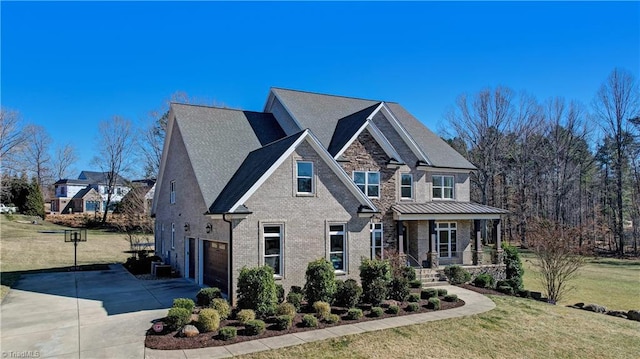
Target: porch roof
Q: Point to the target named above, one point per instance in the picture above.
(445, 210)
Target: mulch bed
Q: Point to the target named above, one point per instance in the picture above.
(172, 340)
(484, 291)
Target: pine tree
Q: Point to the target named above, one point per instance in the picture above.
(34, 204)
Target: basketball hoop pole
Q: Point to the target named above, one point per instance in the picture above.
(75, 236)
(75, 250)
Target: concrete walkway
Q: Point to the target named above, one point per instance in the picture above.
(105, 314)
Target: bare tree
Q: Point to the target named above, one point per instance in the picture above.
(36, 157)
(616, 103)
(134, 222)
(12, 136)
(65, 157)
(116, 144)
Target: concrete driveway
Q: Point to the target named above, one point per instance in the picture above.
(97, 314)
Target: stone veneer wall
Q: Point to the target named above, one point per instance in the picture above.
(498, 271)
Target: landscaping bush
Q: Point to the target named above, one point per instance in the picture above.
(222, 307)
(416, 283)
(348, 293)
(399, 288)
(185, 303)
(524, 293)
(506, 289)
(354, 313)
(309, 321)
(442, 292)
(375, 276)
(377, 312)
(434, 303)
(393, 309)
(206, 295)
(280, 293)
(245, 315)
(428, 293)
(513, 266)
(257, 290)
(322, 308)
(208, 320)
(451, 298)
(296, 289)
(413, 298)
(228, 333)
(457, 275)
(484, 280)
(332, 318)
(254, 327)
(320, 285)
(412, 307)
(283, 322)
(408, 273)
(295, 299)
(178, 317)
(286, 309)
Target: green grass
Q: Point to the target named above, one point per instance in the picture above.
(24, 249)
(614, 283)
(517, 328)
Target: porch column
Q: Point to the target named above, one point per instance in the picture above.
(400, 237)
(498, 259)
(433, 248)
(477, 253)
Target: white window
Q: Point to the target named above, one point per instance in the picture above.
(337, 247)
(304, 177)
(368, 182)
(172, 192)
(273, 247)
(447, 241)
(406, 186)
(377, 245)
(173, 235)
(443, 187)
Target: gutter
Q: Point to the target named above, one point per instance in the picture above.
(230, 259)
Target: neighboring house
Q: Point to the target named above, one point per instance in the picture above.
(88, 193)
(311, 176)
(141, 194)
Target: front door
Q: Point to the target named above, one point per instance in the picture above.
(447, 241)
(192, 258)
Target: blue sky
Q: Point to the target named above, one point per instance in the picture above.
(69, 65)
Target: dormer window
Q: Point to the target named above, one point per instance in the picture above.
(443, 187)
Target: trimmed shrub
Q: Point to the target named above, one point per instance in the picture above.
(206, 295)
(322, 309)
(332, 318)
(185, 303)
(413, 298)
(393, 309)
(296, 289)
(524, 293)
(280, 293)
(457, 275)
(228, 333)
(408, 273)
(375, 276)
(178, 317)
(377, 312)
(257, 290)
(434, 303)
(451, 298)
(506, 289)
(208, 320)
(513, 266)
(399, 288)
(354, 313)
(416, 283)
(348, 293)
(286, 309)
(320, 285)
(255, 327)
(283, 322)
(428, 293)
(245, 315)
(412, 307)
(309, 321)
(222, 307)
(442, 292)
(295, 299)
(484, 280)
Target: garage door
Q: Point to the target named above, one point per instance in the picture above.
(216, 265)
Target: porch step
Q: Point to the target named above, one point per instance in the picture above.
(431, 277)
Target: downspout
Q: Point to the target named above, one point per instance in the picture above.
(230, 259)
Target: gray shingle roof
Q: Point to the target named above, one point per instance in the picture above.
(446, 207)
(347, 127)
(100, 177)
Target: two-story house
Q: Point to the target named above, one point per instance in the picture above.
(87, 193)
(311, 176)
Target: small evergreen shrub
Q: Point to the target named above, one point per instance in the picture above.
(524, 293)
(513, 266)
(399, 288)
(222, 307)
(428, 293)
(354, 313)
(286, 309)
(295, 299)
(377, 312)
(283, 322)
(416, 283)
(442, 292)
(185, 303)
(451, 298)
(208, 320)
(412, 307)
(245, 315)
(348, 293)
(309, 321)
(178, 317)
(457, 275)
(206, 295)
(322, 309)
(296, 289)
(375, 276)
(434, 303)
(393, 309)
(257, 290)
(228, 333)
(254, 327)
(408, 273)
(484, 280)
(280, 292)
(506, 289)
(377, 292)
(320, 285)
(413, 298)
(332, 318)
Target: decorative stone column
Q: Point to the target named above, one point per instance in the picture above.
(433, 254)
(498, 258)
(477, 252)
